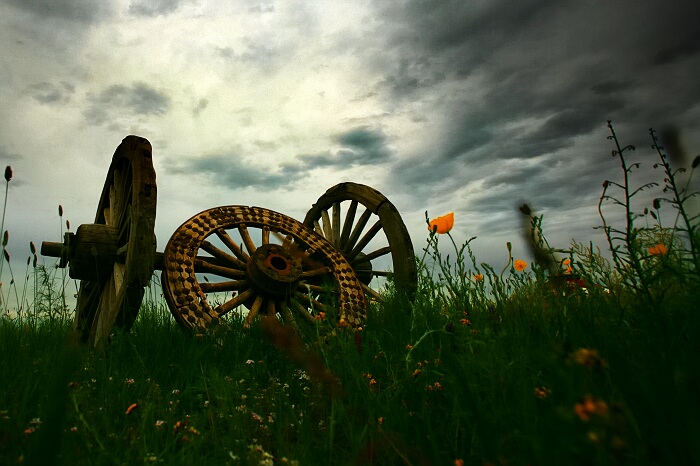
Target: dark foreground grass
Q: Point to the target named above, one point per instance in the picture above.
(562, 380)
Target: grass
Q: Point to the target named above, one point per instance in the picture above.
(484, 367)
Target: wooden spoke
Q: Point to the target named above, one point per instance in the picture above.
(230, 285)
(370, 292)
(224, 256)
(318, 229)
(235, 249)
(204, 267)
(366, 239)
(233, 302)
(302, 311)
(265, 237)
(254, 310)
(327, 227)
(371, 256)
(382, 273)
(348, 223)
(315, 272)
(247, 240)
(336, 225)
(311, 301)
(357, 231)
(286, 313)
(317, 288)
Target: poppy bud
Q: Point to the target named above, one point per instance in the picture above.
(696, 161)
(31, 247)
(5, 238)
(60, 210)
(8, 173)
(657, 203)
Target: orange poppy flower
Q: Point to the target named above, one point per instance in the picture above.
(478, 277)
(442, 225)
(657, 250)
(519, 265)
(132, 407)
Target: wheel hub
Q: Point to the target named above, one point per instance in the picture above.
(274, 270)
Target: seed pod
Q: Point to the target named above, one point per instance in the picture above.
(5, 238)
(34, 261)
(60, 210)
(68, 224)
(8, 173)
(29, 259)
(657, 203)
(31, 247)
(696, 161)
(7, 255)
(525, 209)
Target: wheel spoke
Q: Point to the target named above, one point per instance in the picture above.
(327, 228)
(286, 313)
(357, 230)
(366, 239)
(302, 311)
(235, 249)
(247, 240)
(265, 235)
(230, 285)
(311, 301)
(371, 256)
(336, 225)
(221, 255)
(233, 302)
(315, 272)
(347, 225)
(254, 310)
(203, 266)
(369, 291)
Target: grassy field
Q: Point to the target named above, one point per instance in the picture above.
(570, 359)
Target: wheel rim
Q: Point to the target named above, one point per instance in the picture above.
(128, 205)
(268, 262)
(376, 242)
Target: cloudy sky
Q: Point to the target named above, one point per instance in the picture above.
(471, 106)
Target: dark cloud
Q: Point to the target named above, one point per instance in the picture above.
(231, 171)
(50, 93)
(509, 92)
(117, 100)
(358, 147)
(153, 7)
(201, 105)
(85, 11)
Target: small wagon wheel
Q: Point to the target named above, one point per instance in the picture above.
(114, 257)
(266, 261)
(368, 252)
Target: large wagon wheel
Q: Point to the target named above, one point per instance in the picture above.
(263, 260)
(367, 251)
(114, 257)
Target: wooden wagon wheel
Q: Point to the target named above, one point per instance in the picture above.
(368, 252)
(114, 257)
(266, 261)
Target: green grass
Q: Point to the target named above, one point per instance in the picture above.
(463, 391)
(485, 366)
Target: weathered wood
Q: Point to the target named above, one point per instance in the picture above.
(267, 280)
(94, 252)
(119, 246)
(350, 239)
